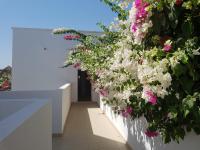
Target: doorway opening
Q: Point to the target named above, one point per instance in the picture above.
(84, 86)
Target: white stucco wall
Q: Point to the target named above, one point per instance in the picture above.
(60, 99)
(66, 103)
(94, 96)
(38, 56)
(28, 128)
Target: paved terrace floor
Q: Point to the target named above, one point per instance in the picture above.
(87, 128)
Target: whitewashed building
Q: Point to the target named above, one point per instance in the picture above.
(38, 57)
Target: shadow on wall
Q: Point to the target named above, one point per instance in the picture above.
(138, 139)
(134, 133)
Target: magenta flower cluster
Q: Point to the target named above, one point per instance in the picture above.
(71, 37)
(151, 97)
(141, 14)
(140, 19)
(103, 92)
(126, 112)
(77, 65)
(151, 133)
(167, 47)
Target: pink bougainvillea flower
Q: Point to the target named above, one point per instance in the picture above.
(179, 2)
(133, 27)
(5, 85)
(167, 46)
(126, 112)
(129, 110)
(151, 133)
(139, 16)
(141, 13)
(103, 92)
(138, 3)
(141, 9)
(68, 37)
(151, 97)
(71, 37)
(77, 65)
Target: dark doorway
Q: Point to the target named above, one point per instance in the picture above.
(84, 86)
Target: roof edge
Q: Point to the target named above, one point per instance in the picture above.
(48, 29)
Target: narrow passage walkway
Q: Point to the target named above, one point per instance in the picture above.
(87, 128)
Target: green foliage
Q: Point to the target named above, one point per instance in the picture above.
(122, 14)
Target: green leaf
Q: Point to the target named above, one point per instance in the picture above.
(174, 115)
(166, 138)
(189, 102)
(193, 73)
(122, 14)
(197, 129)
(173, 17)
(187, 29)
(184, 59)
(179, 69)
(173, 112)
(157, 25)
(182, 133)
(186, 113)
(187, 83)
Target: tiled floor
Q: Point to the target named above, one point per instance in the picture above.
(87, 128)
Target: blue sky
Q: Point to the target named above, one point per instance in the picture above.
(76, 14)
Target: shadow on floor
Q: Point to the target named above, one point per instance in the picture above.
(88, 129)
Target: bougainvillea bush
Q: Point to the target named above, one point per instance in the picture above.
(147, 63)
(5, 79)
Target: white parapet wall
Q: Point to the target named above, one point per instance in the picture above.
(133, 133)
(66, 103)
(60, 99)
(25, 124)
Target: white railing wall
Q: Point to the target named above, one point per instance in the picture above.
(60, 98)
(66, 102)
(133, 133)
(28, 127)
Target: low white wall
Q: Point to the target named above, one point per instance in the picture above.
(8, 107)
(94, 96)
(60, 98)
(66, 103)
(133, 133)
(29, 128)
